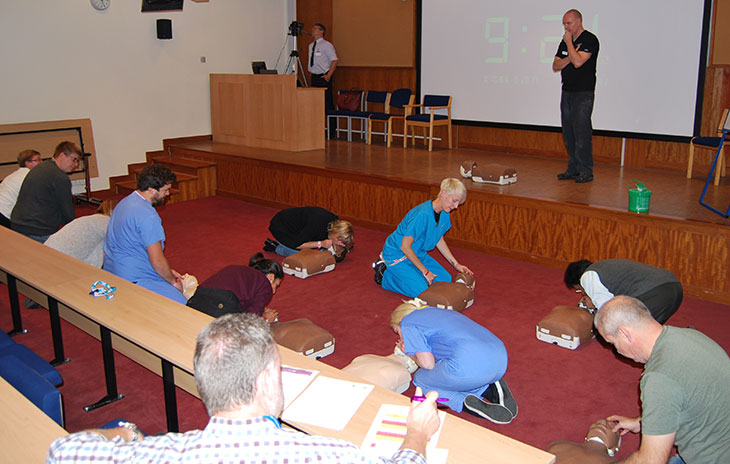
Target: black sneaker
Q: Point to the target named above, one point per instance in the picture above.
(567, 176)
(505, 397)
(491, 394)
(583, 177)
(270, 245)
(379, 267)
(486, 410)
(499, 393)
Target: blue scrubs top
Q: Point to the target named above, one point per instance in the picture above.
(468, 356)
(134, 225)
(419, 223)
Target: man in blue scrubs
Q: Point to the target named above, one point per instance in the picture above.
(135, 240)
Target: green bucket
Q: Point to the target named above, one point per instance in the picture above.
(639, 198)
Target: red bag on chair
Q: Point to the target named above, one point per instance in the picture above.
(349, 100)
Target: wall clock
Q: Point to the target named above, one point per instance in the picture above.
(100, 5)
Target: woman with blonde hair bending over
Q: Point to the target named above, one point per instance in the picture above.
(312, 227)
(410, 270)
(457, 357)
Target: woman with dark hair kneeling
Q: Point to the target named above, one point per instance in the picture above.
(253, 285)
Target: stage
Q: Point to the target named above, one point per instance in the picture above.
(539, 218)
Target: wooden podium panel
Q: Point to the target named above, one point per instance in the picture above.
(266, 111)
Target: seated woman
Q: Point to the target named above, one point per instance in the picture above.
(254, 285)
(83, 238)
(410, 270)
(457, 357)
(312, 227)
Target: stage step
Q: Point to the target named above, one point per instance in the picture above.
(128, 186)
(183, 165)
(195, 178)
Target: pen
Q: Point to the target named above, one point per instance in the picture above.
(422, 398)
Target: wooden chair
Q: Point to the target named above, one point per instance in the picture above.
(709, 143)
(399, 100)
(428, 118)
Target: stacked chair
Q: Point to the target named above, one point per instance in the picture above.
(371, 97)
(345, 113)
(398, 101)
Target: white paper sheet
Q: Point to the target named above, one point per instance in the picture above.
(328, 403)
(294, 381)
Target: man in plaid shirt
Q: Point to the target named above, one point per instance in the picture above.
(238, 375)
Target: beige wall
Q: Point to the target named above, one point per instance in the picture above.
(64, 60)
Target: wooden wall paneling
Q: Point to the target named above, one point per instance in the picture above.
(310, 12)
(720, 40)
(374, 78)
(606, 149)
(716, 98)
(635, 152)
(375, 204)
(553, 233)
(667, 155)
(549, 144)
(391, 45)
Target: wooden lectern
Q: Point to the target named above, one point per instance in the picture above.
(266, 111)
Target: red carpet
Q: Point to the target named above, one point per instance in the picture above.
(559, 392)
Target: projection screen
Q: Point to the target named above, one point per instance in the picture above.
(495, 59)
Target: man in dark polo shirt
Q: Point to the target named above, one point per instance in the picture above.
(45, 202)
(576, 61)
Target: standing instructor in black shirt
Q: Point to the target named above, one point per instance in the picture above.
(576, 60)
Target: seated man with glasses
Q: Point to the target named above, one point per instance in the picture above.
(45, 202)
(10, 186)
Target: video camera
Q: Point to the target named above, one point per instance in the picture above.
(295, 28)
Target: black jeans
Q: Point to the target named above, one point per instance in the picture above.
(575, 116)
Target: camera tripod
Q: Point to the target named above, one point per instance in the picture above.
(296, 64)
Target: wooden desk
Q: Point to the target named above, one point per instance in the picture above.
(168, 331)
(26, 432)
(466, 442)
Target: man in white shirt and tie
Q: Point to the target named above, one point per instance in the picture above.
(322, 63)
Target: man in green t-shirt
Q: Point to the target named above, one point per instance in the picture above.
(685, 387)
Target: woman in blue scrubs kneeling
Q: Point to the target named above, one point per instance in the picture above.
(457, 357)
(410, 270)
